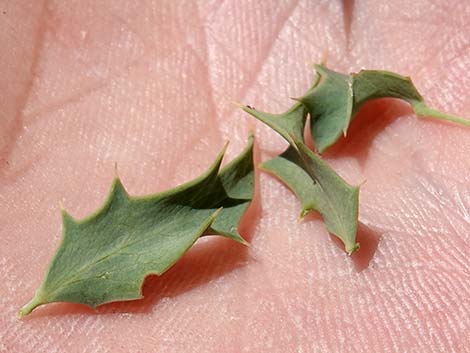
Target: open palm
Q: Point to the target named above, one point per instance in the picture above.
(149, 84)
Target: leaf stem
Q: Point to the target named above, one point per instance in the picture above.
(353, 249)
(423, 110)
(33, 304)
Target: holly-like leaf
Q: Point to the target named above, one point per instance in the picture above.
(315, 183)
(335, 99)
(105, 257)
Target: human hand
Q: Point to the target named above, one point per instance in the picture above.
(149, 85)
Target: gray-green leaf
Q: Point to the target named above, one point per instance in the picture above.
(336, 98)
(105, 257)
(316, 184)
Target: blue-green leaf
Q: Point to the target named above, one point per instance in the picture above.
(317, 185)
(105, 257)
(335, 99)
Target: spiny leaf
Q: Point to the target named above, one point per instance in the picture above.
(105, 257)
(319, 188)
(290, 124)
(336, 98)
(316, 184)
(329, 103)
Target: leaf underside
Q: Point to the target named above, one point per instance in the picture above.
(105, 257)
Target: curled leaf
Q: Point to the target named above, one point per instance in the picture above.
(105, 257)
(335, 99)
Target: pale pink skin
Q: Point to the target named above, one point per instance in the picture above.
(150, 86)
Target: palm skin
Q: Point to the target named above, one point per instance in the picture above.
(148, 85)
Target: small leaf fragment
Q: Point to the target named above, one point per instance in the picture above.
(316, 184)
(336, 98)
(105, 257)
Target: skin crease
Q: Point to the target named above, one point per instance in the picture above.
(149, 85)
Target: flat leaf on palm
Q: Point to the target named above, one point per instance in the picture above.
(106, 257)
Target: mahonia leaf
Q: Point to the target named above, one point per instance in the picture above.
(335, 99)
(329, 103)
(316, 184)
(290, 124)
(105, 257)
(319, 188)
